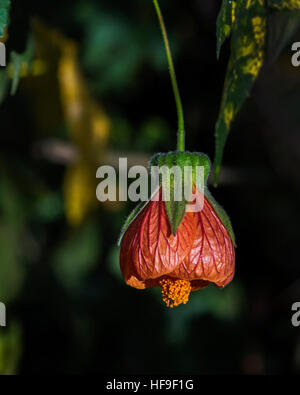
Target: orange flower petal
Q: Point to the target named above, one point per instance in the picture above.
(212, 255)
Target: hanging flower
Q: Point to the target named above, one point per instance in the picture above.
(200, 251)
(162, 243)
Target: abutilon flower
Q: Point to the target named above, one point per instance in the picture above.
(164, 245)
(197, 252)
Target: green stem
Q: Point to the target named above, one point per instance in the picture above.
(181, 132)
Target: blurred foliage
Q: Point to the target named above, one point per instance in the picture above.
(116, 45)
(246, 21)
(93, 86)
(20, 65)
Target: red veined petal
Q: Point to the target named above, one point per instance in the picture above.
(149, 250)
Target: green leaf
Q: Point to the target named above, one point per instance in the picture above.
(249, 27)
(224, 22)
(4, 8)
(131, 217)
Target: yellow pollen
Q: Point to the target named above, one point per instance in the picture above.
(175, 292)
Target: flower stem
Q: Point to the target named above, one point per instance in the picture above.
(181, 132)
